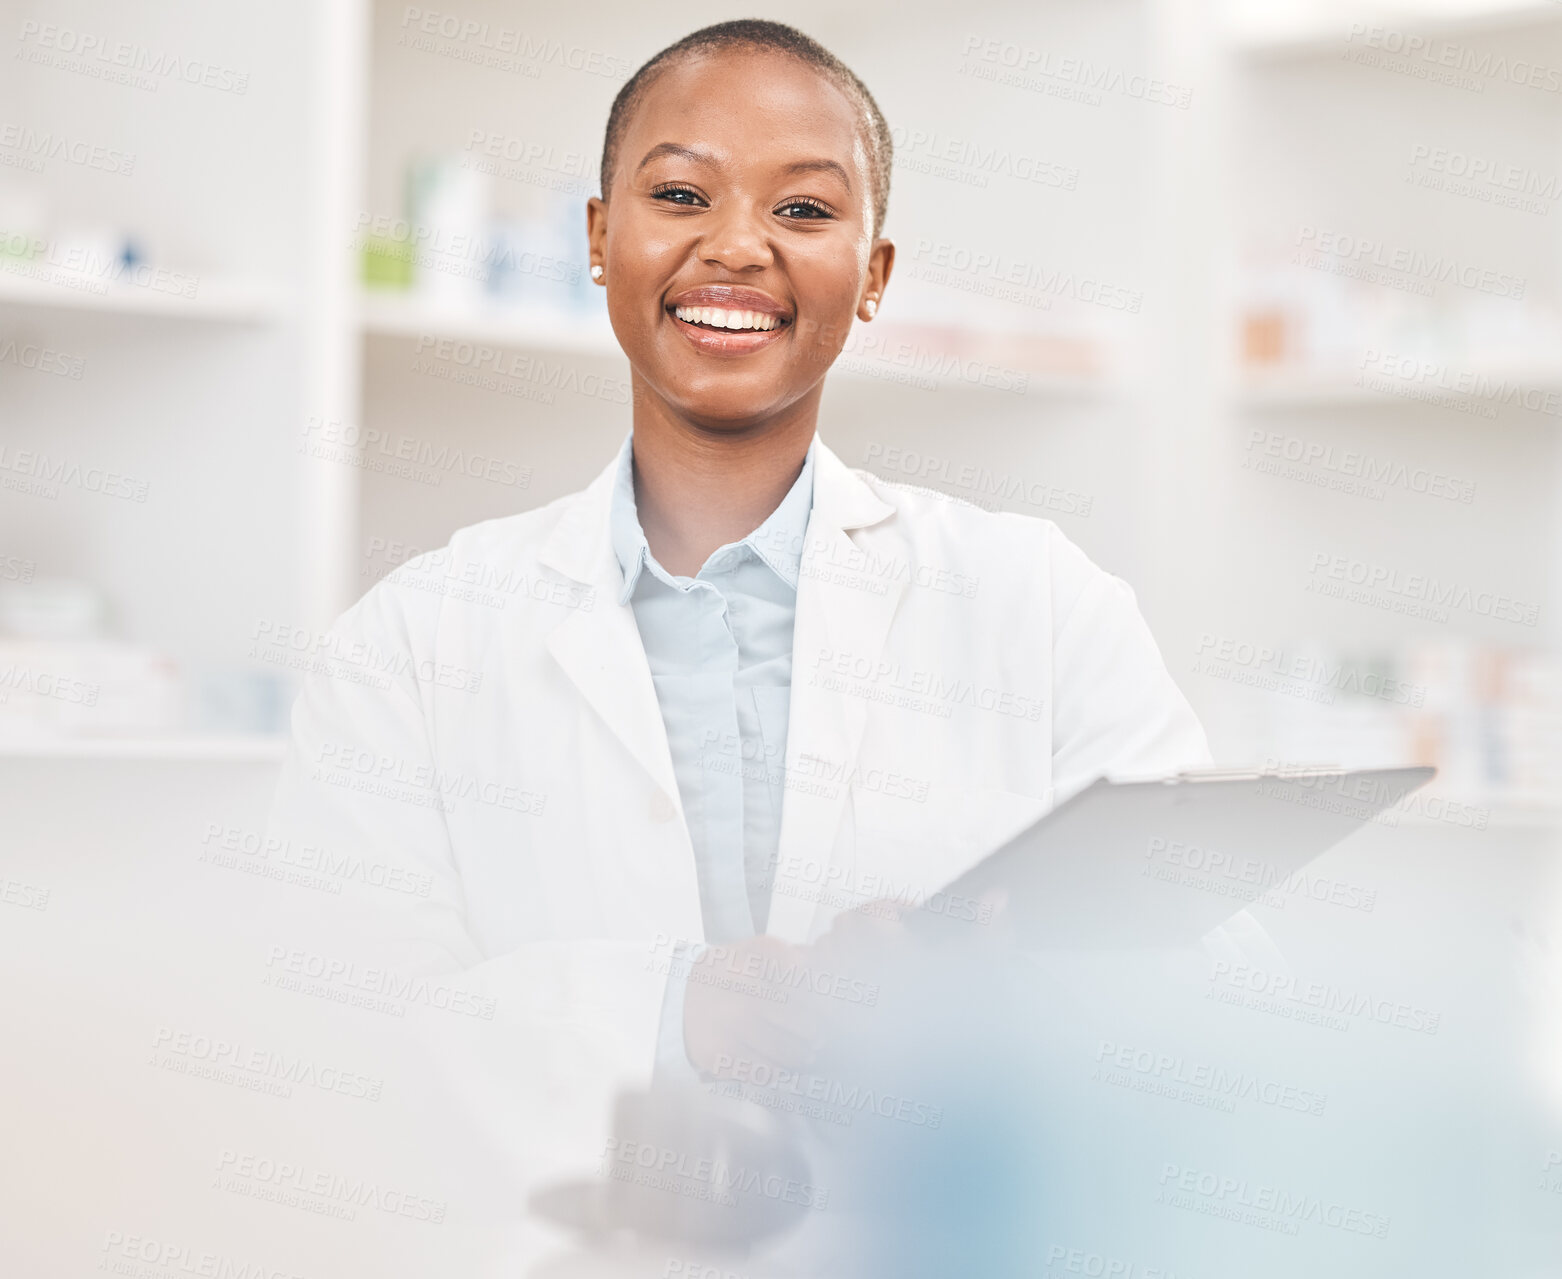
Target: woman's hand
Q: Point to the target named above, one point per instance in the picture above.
(767, 1001)
(743, 1005)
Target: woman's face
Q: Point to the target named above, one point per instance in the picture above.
(737, 239)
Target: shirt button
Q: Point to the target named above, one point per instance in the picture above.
(661, 809)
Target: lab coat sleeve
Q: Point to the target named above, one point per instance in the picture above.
(672, 1057)
(1116, 709)
(538, 1039)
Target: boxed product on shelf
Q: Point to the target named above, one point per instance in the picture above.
(1296, 321)
(86, 687)
(1489, 718)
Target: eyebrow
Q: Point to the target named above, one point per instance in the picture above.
(821, 166)
(672, 148)
(705, 157)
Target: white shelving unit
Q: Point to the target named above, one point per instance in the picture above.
(211, 398)
(216, 302)
(194, 377)
(1290, 31)
(399, 316)
(1319, 138)
(391, 315)
(170, 749)
(1345, 389)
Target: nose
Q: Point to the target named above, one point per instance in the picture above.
(736, 238)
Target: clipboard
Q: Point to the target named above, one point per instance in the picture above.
(1160, 863)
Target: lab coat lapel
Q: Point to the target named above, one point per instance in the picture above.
(844, 608)
(599, 648)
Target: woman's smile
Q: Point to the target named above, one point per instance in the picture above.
(728, 319)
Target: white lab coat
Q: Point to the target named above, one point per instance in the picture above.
(955, 672)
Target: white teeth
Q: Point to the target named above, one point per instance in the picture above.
(719, 318)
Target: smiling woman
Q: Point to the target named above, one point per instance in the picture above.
(705, 665)
(750, 234)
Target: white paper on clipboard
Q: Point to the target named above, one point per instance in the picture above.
(1161, 863)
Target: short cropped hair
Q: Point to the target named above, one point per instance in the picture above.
(751, 33)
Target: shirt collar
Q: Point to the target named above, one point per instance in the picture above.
(778, 542)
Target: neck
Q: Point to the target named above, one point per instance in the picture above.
(698, 489)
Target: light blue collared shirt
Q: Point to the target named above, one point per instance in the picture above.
(719, 646)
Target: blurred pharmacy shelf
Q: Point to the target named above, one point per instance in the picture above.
(1281, 31)
(1192, 212)
(1286, 388)
(179, 749)
(214, 301)
(1498, 816)
(158, 507)
(933, 357)
(1487, 717)
(384, 314)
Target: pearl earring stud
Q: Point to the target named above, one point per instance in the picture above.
(596, 273)
(871, 306)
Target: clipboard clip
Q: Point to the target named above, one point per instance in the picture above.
(1289, 772)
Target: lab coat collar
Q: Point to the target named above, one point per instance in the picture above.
(581, 544)
(777, 543)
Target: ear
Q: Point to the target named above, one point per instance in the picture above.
(881, 261)
(596, 232)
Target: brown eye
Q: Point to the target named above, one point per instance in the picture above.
(804, 210)
(677, 195)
